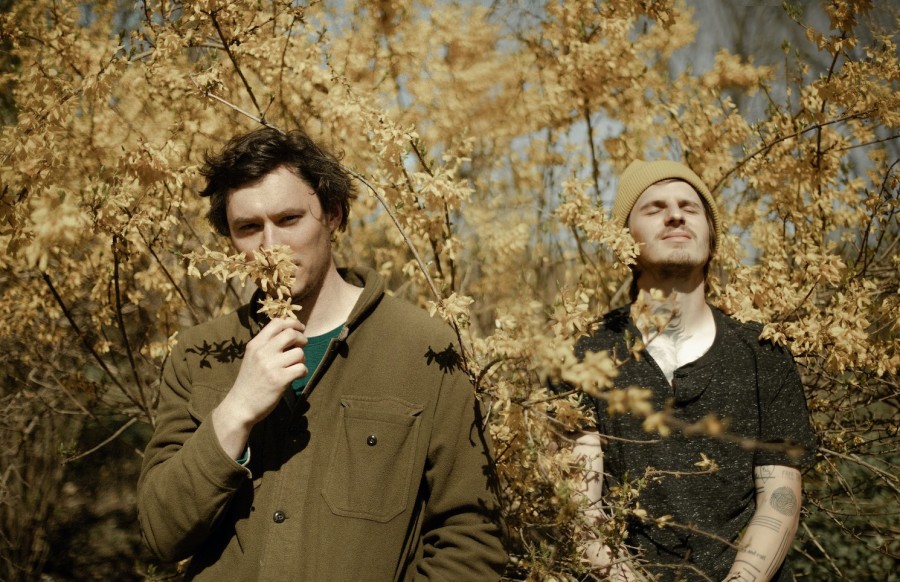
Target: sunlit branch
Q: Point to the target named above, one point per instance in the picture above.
(384, 203)
(237, 67)
(212, 95)
(768, 146)
(867, 143)
(447, 224)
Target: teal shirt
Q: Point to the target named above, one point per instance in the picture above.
(315, 350)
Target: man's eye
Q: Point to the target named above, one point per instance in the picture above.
(248, 227)
(291, 219)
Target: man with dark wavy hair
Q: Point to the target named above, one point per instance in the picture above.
(346, 445)
(715, 508)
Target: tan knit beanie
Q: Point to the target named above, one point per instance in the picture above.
(640, 175)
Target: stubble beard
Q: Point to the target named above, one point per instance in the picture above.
(680, 264)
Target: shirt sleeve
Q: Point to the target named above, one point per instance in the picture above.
(785, 426)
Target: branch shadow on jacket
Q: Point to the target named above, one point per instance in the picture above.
(448, 359)
(223, 352)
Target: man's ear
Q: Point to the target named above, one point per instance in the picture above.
(335, 218)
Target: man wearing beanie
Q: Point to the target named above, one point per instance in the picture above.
(718, 507)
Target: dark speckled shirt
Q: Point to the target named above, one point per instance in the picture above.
(754, 388)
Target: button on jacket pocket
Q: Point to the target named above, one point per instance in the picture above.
(372, 464)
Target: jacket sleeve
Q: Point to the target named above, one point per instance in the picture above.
(186, 478)
(461, 531)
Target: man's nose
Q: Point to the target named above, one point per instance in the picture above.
(674, 215)
(269, 236)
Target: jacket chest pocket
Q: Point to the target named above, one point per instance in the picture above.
(374, 456)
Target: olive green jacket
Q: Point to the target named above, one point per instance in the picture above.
(381, 472)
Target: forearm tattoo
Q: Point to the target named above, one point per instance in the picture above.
(784, 501)
(753, 564)
(764, 473)
(790, 474)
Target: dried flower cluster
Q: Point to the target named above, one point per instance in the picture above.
(272, 269)
(486, 138)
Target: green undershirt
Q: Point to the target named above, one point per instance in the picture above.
(315, 350)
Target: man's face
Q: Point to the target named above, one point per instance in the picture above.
(282, 209)
(669, 222)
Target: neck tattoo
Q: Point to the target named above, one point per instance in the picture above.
(664, 346)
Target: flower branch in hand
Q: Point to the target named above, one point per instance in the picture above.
(272, 269)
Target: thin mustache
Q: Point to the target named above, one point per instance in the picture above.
(668, 233)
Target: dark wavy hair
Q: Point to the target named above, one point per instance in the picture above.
(249, 157)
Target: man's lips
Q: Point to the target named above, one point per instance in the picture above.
(677, 236)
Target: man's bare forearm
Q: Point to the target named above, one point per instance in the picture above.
(589, 452)
(771, 531)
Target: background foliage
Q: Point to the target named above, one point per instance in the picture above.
(487, 138)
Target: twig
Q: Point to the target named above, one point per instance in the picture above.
(84, 342)
(821, 549)
(212, 95)
(105, 442)
(434, 290)
(764, 148)
(142, 399)
(237, 67)
(889, 478)
(171, 279)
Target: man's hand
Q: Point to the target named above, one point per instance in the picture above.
(615, 569)
(771, 531)
(272, 360)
